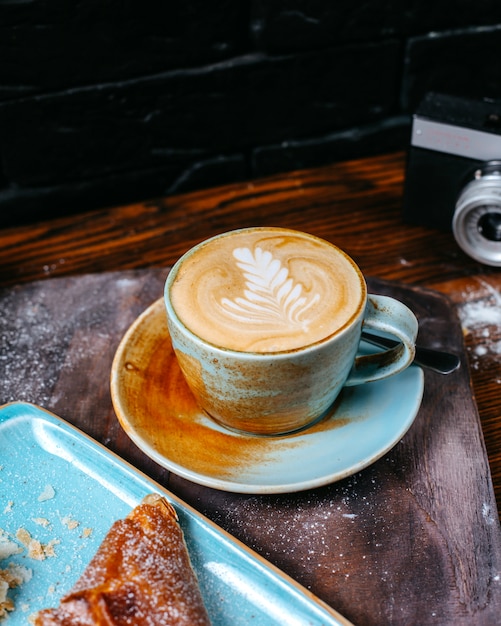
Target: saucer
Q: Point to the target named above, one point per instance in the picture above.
(158, 412)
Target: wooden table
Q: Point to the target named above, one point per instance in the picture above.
(355, 204)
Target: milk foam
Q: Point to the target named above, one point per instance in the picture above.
(270, 295)
(266, 290)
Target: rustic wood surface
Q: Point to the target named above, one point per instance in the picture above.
(412, 539)
(408, 561)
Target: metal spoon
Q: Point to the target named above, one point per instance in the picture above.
(436, 360)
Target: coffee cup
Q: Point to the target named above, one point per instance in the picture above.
(266, 324)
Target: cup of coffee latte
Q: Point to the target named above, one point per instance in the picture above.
(266, 325)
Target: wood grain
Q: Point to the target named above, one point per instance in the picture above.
(357, 205)
(412, 539)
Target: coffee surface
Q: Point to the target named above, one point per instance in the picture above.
(266, 290)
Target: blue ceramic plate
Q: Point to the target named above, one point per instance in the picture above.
(156, 409)
(66, 490)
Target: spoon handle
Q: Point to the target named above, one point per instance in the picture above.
(436, 360)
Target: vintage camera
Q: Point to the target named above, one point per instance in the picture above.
(453, 176)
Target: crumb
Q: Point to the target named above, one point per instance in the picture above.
(12, 576)
(49, 547)
(36, 550)
(47, 494)
(6, 603)
(7, 547)
(23, 536)
(87, 532)
(41, 521)
(70, 523)
(9, 506)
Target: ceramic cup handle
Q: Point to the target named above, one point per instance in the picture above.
(387, 315)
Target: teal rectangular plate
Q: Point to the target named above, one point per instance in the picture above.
(66, 490)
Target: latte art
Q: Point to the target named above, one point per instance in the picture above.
(266, 290)
(271, 296)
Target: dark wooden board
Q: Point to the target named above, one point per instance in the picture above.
(413, 539)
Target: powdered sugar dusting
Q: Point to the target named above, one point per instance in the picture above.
(480, 314)
(258, 596)
(308, 533)
(40, 338)
(475, 314)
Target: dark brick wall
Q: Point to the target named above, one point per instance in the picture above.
(103, 101)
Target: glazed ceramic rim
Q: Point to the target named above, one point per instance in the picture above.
(346, 327)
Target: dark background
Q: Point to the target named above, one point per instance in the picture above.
(104, 102)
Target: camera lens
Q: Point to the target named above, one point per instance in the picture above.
(477, 218)
(489, 226)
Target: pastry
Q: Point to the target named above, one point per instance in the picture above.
(141, 575)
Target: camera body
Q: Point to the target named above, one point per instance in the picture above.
(453, 177)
